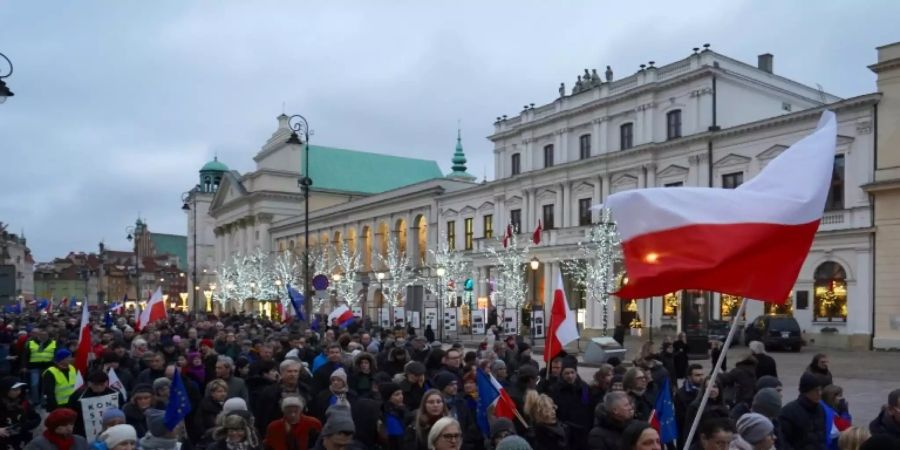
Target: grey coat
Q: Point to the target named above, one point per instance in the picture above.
(41, 443)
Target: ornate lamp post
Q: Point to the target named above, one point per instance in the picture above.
(186, 199)
(380, 276)
(299, 125)
(131, 230)
(4, 91)
(440, 273)
(535, 264)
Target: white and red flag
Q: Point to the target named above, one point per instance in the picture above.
(536, 235)
(155, 310)
(507, 235)
(84, 341)
(562, 328)
(750, 241)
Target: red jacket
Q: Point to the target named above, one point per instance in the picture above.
(303, 432)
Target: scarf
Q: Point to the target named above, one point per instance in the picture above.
(60, 442)
(150, 442)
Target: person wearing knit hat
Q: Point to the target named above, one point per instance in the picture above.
(236, 432)
(161, 392)
(337, 393)
(140, 400)
(500, 372)
(513, 443)
(338, 429)
(234, 404)
(58, 433)
(413, 384)
(802, 420)
(768, 381)
(500, 429)
(393, 413)
(445, 434)
(293, 427)
(755, 432)
(158, 436)
(444, 379)
(767, 402)
(112, 417)
(119, 437)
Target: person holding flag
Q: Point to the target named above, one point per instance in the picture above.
(662, 418)
(574, 395)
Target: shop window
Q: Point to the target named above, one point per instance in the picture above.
(830, 302)
(728, 306)
(787, 308)
(670, 305)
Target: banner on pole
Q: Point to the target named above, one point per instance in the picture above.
(116, 383)
(93, 408)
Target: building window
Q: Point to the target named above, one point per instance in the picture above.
(732, 180)
(584, 146)
(548, 217)
(787, 308)
(626, 136)
(548, 155)
(835, 200)
(469, 231)
(515, 219)
(830, 293)
(673, 124)
(674, 184)
(516, 163)
(728, 305)
(488, 226)
(451, 234)
(670, 305)
(584, 211)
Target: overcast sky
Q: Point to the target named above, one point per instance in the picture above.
(119, 103)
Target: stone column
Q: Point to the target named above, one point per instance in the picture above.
(566, 205)
(412, 245)
(559, 210)
(377, 237)
(598, 197)
(597, 144)
(265, 221)
(651, 175)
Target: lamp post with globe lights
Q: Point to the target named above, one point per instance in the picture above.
(4, 90)
(440, 273)
(535, 265)
(299, 125)
(380, 277)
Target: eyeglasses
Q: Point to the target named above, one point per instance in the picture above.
(451, 436)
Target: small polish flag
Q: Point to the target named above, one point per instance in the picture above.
(155, 311)
(343, 315)
(561, 329)
(83, 351)
(536, 236)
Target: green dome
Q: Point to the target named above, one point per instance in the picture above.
(214, 166)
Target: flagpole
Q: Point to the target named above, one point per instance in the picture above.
(715, 371)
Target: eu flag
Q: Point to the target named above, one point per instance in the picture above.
(179, 404)
(663, 417)
(297, 300)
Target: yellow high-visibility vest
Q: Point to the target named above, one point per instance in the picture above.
(65, 384)
(36, 354)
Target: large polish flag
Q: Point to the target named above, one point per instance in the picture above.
(750, 241)
(155, 310)
(82, 353)
(562, 328)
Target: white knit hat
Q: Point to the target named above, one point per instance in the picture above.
(118, 434)
(234, 404)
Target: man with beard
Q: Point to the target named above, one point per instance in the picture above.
(888, 420)
(687, 393)
(610, 419)
(576, 407)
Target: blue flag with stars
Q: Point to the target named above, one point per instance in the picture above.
(297, 300)
(179, 404)
(663, 417)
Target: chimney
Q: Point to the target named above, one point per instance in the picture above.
(764, 62)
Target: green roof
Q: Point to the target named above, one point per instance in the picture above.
(214, 166)
(172, 244)
(340, 169)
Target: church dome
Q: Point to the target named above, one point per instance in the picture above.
(214, 166)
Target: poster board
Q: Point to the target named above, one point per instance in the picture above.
(450, 317)
(478, 321)
(540, 325)
(510, 321)
(399, 317)
(431, 318)
(93, 408)
(414, 318)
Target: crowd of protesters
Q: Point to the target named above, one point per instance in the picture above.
(254, 384)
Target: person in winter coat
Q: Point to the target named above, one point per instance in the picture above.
(235, 434)
(819, 367)
(159, 437)
(393, 415)
(267, 407)
(118, 437)
(322, 374)
(578, 413)
(610, 419)
(429, 333)
(667, 358)
(337, 393)
(803, 420)
(640, 436)
(396, 361)
(888, 420)
(58, 433)
(97, 385)
(837, 414)
(765, 364)
(224, 370)
(445, 434)
(754, 432)
(767, 402)
(141, 400)
(681, 356)
(204, 418)
(413, 385)
(685, 395)
(547, 432)
(194, 369)
(715, 406)
(635, 384)
(363, 375)
(17, 417)
(294, 430)
(430, 411)
(741, 382)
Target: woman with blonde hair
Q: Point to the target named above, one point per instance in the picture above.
(431, 410)
(852, 438)
(549, 433)
(211, 405)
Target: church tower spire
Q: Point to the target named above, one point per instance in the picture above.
(459, 160)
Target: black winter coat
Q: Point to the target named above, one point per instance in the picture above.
(643, 406)
(23, 417)
(742, 381)
(576, 409)
(803, 424)
(136, 418)
(549, 437)
(884, 424)
(765, 365)
(606, 434)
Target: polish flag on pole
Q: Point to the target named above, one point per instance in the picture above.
(536, 236)
(507, 235)
(750, 241)
(82, 353)
(155, 310)
(561, 329)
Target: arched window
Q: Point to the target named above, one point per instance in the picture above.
(830, 293)
(206, 184)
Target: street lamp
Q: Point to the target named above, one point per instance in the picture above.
(132, 235)
(4, 91)
(535, 264)
(298, 124)
(380, 276)
(186, 198)
(440, 273)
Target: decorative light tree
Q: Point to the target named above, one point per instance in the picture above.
(595, 268)
(227, 281)
(457, 268)
(510, 283)
(399, 274)
(285, 271)
(347, 265)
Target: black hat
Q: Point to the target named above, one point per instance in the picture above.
(142, 388)
(387, 390)
(414, 368)
(809, 382)
(569, 362)
(444, 379)
(98, 376)
(500, 425)
(767, 381)
(527, 371)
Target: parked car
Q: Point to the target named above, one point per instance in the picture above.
(775, 331)
(718, 331)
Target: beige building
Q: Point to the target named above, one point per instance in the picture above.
(885, 192)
